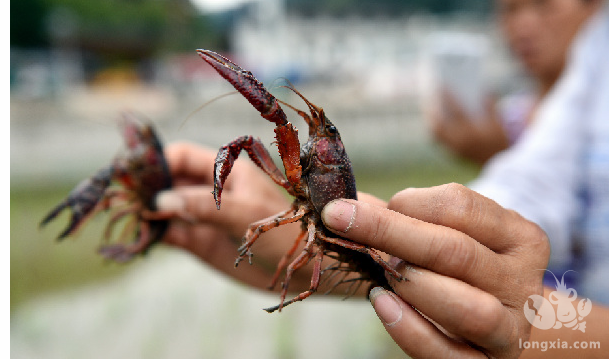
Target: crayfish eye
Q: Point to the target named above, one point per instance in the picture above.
(331, 129)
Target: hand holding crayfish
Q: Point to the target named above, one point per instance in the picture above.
(461, 271)
(470, 265)
(214, 235)
(314, 173)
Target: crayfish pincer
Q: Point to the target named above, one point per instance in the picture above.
(315, 174)
(127, 187)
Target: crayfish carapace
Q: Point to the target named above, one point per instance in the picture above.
(315, 174)
(127, 187)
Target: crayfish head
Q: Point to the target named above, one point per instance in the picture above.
(319, 124)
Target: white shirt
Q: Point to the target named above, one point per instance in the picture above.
(556, 174)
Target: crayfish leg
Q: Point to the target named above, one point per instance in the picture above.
(116, 217)
(300, 261)
(264, 225)
(290, 151)
(285, 258)
(366, 250)
(148, 234)
(313, 287)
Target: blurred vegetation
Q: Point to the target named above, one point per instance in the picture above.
(175, 25)
(392, 8)
(152, 25)
(27, 23)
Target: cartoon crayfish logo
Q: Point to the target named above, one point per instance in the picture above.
(540, 312)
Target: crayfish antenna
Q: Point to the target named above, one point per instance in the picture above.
(317, 118)
(219, 97)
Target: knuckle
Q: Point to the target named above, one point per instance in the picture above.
(535, 239)
(457, 256)
(454, 199)
(538, 238)
(483, 317)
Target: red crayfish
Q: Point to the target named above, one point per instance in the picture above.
(139, 174)
(315, 174)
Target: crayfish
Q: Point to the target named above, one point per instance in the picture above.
(128, 187)
(315, 174)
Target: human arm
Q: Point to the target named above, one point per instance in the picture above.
(474, 139)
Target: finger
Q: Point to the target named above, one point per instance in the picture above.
(370, 199)
(460, 208)
(415, 335)
(191, 161)
(198, 202)
(439, 248)
(464, 311)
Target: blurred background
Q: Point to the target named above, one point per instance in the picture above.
(76, 64)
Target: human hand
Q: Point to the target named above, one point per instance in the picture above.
(213, 235)
(470, 266)
(474, 139)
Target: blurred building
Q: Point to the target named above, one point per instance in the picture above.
(380, 51)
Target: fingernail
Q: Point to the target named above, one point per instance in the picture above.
(339, 215)
(169, 201)
(386, 306)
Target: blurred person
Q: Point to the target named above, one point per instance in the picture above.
(556, 175)
(539, 34)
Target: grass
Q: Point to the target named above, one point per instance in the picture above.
(41, 265)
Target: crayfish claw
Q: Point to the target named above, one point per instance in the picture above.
(246, 84)
(75, 219)
(82, 200)
(53, 213)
